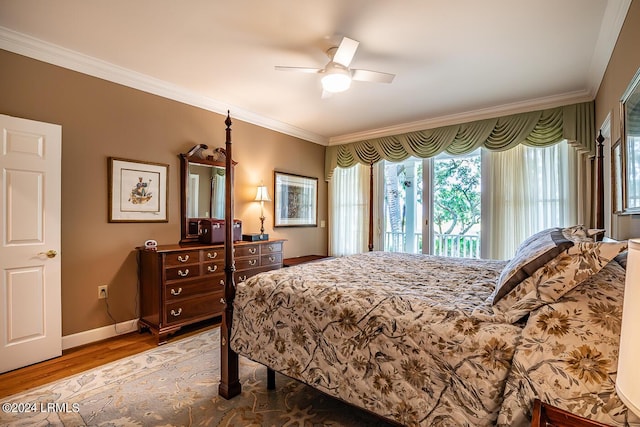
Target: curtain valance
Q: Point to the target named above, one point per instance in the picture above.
(535, 129)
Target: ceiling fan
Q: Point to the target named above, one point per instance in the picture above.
(336, 75)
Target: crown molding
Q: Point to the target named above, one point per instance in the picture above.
(469, 116)
(32, 47)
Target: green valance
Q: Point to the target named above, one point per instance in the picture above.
(536, 129)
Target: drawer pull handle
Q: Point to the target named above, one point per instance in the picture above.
(222, 301)
(252, 250)
(221, 282)
(183, 273)
(215, 254)
(253, 261)
(242, 278)
(271, 248)
(176, 313)
(216, 225)
(272, 259)
(211, 270)
(185, 259)
(174, 292)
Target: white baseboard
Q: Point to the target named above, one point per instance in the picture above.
(87, 337)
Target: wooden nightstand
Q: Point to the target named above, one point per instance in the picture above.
(545, 415)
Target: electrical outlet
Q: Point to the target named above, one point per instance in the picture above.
(102, 292)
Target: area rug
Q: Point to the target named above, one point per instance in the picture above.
(177, 385)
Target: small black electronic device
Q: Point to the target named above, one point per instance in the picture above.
(255, 237)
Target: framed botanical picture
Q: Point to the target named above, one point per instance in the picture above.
(295, 200)
(137, 191)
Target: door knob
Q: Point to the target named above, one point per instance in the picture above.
(50, 253)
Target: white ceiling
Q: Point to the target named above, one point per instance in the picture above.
(454, 60)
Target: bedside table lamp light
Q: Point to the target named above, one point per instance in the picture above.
(262, 196)
(628, 378)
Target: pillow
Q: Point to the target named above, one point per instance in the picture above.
(577, 233)
(621, 259)
(568, 355)
(557, 277)
(532, 254)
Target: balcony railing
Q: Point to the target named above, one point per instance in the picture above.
(453, 245)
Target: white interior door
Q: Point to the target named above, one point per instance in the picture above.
(30, 307)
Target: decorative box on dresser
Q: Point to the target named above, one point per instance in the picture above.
(180, 285)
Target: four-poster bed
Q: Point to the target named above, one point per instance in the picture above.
(423, 340)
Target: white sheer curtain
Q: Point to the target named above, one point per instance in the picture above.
(530, 189)
(349, 210)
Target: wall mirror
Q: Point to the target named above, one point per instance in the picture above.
(630, 114)
(203, 186)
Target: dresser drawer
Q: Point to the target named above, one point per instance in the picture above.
(241, 276)
(213, 254)
(179, 290)
(246, 250)
(181, 311)
(246, 263)
(271, 259)
(268, 248)
(181, 258)
(182, 272)
(216, 267)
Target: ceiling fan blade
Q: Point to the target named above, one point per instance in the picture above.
(372, 76)
(299, 69)
(345, 51)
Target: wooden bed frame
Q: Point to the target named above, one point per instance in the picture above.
(229, 368)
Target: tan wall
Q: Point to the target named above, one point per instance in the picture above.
(623, 65)
(101, 119)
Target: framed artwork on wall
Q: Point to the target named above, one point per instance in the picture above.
(137, 191)
(295, 200)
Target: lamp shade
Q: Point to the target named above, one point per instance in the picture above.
(628, 377)
(262, 194)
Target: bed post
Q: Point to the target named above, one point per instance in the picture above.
(229, 370)
(371, 207)
(600, 181)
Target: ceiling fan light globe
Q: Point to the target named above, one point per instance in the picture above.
(336, 82)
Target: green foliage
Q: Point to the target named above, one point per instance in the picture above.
(457, 194)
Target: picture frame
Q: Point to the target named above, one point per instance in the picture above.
(295, 200)
(630, 131)
(137, 190)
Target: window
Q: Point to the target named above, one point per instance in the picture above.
(480, 205)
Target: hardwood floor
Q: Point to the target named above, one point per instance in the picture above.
(79, 359)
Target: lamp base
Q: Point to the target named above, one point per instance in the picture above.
(255, 237)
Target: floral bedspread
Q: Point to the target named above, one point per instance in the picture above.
(392, 333)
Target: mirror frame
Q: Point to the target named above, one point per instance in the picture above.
(190, 227)
(632, 89)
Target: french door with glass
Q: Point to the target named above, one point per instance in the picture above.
(432, 205)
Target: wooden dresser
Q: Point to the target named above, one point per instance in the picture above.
(180, 285)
